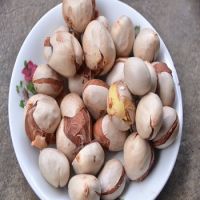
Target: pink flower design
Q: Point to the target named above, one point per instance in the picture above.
(29, 70)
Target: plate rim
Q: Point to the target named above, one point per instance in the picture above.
(180, 102)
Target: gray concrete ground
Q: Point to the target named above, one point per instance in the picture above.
(177, 21)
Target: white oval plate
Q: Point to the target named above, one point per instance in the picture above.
(32, 49)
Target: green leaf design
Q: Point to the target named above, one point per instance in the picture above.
(21, 84)
(137, 30)
(25, 63)
(30, 88)
(17, 89)
(25, 94)
(22, 103)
